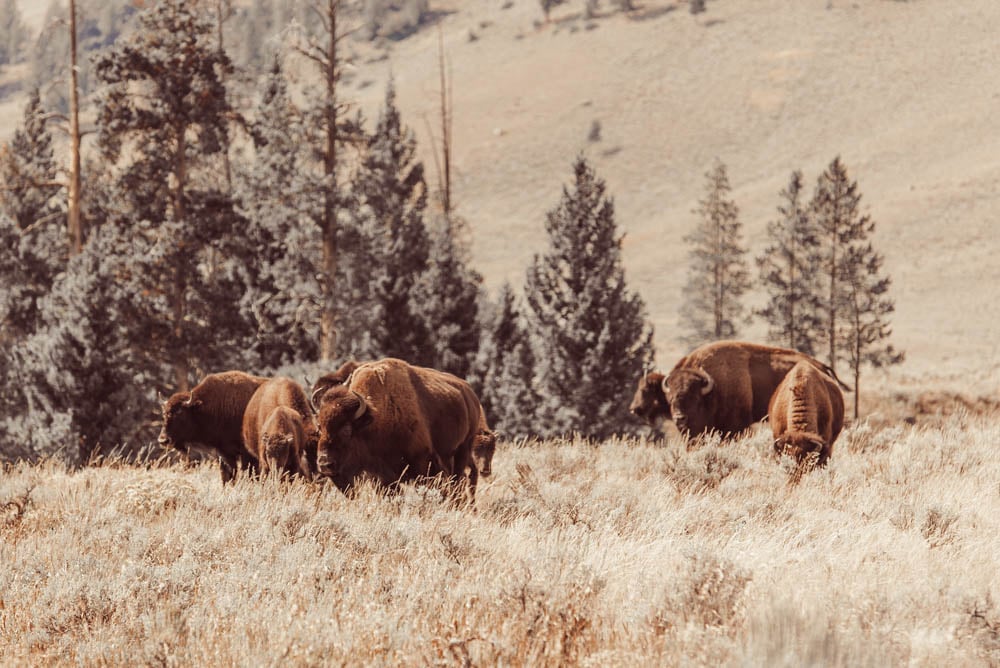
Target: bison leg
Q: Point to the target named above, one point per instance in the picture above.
(227, 467)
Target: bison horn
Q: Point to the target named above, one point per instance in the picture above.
(362, 408)
(709, 383)
(665, 388)
(189, 401)
(317, 393)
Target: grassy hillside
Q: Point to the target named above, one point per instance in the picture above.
(903, 91)
(621, 554)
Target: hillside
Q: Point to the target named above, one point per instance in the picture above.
(903, 91)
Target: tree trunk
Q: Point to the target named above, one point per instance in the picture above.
(74, 223)
(328, 319)
(178, 305)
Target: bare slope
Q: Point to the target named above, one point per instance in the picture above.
(904, 92)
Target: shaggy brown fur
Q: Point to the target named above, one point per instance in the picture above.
(806, 413)
(295, 426)
(332, 379)
(743, 376)
(649, 402)
(413, 422)
(210, 416)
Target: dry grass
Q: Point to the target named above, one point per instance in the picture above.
(626, 553)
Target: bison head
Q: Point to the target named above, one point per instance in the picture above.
(799, 445)
(180, 422)
(649, 402)
(483, 447)
(692, 404)
(332, 379)
(342, 412)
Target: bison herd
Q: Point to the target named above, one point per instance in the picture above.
(390, 421)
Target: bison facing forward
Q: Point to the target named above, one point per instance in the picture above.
(210, 417)
(806, 413)
(394, 421)
(278, 427)
(723, 386)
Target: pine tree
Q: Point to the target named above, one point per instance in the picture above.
(13, 32)
(281, 249)
(450, 303)
(28, 169)
(788, 272)
(718, 275)
(83, 388)
(503, 375)
(854, 302)
(164, 102)
(391, 247)
(590, 334)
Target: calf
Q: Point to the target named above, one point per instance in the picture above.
(806, 413)
(278, 427)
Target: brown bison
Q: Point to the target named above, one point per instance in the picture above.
(806, 413)
(332, 379)
(723, 386)
(210, 417)
(394, 422)
(278, 427)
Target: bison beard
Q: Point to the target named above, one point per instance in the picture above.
(396, 422)
(211, 416)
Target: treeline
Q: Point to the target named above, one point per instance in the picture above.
(313, 240)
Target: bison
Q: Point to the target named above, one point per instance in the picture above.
(723, 386)
(806, 413)
(278, 427)
(394, 421)
(210, 417)
(332, 379)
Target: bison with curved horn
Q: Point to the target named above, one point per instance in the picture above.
(723, 386)
(393, 421)
(210, 418)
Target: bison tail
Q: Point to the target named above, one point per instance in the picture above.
(833, 374)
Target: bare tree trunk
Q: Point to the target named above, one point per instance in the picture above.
(445, 129)
(328, 319)
(178, 305)
(832, 324)
(74, 222)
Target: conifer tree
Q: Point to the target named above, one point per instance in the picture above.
(391, 247)
(450, 302)
(589, 331)
(99, 398)
(28, 169)
(788, 272)
(504, 371)
(282, 249)
(165, 102)
(855, 304)
(13, 32)
(718, 275)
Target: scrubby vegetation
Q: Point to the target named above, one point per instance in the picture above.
(623, 553)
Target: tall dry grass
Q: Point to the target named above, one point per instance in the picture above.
(626, 553)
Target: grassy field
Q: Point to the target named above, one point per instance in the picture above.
(624, 553)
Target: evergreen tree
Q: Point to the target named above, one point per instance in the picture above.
(391, 247)
(504, 371)
(590, 335)
(13, 32)
(788, 272)
(165, 102)
(28, 169)
(718, 275)
(450, 302)
(82, 387)
(281, 248)
(855, 304)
